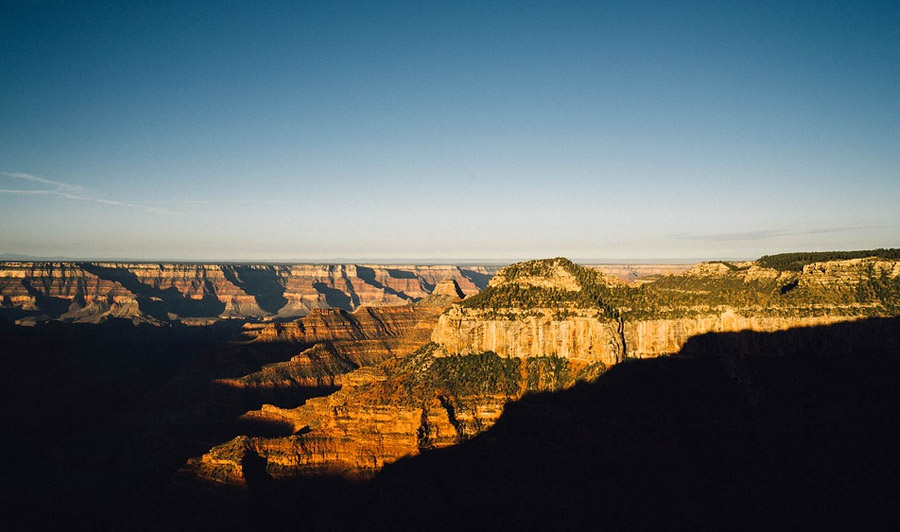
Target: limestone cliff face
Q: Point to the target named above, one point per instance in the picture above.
(652, 338)
(591, 339)
(658, 318)
(846, 276)
(523, 334)
(160, 292)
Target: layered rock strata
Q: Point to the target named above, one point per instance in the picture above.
(386, 412)
(658, 318)
(198, 293)
(335, 342)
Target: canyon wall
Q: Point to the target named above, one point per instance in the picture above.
(334, 342)
(767, 300)
(386, 412)
(593, 339)
(198, 293)
(329, 343)
(629, 273)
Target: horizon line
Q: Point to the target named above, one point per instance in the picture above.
(16, 257)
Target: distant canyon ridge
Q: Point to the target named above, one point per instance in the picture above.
(191, 293)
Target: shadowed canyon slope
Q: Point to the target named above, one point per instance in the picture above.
(794, 429)
(542, 325)
(160, 292)
(333, 342)
(383, 413)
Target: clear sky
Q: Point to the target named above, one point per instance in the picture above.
(288, 130)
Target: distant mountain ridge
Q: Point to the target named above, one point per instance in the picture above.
(197, 293)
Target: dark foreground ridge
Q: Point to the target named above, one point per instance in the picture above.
(750, 431)
(743, 430)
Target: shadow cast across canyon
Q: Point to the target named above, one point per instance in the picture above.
(368, 275)
(262, 282)
(739, 431)
(97, 418)
(51, 305)
(746, 430)
(159, 302)
(478, 279)
(335, 298)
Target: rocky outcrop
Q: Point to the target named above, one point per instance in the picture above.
(805, 440)
(335, 342)
(445, 293)
(335, 324)
(658, 318)
(198, 293)
(386, 412)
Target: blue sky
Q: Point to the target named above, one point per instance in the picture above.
(270, 130)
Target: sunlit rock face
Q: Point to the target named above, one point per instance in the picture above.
(340, 341)
(386, 412)
(199, 293)
(538, 309)
(530, 333)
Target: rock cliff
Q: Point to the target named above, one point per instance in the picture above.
(333, 342)
(630, 273)
(198, 293)
(389, 411)
(556, 308)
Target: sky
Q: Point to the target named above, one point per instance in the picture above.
(448, 130)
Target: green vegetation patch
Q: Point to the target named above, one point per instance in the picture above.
(592, 294)
(418, 378)
(687, 295)
(796, 261)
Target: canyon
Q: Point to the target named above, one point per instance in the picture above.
(541, 326)
(89, 292)
(190, 400)
(193, 293)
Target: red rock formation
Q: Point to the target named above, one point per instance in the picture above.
(387, 412)
(342, 341)
(159, 292)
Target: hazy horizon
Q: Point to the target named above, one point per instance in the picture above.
(465, 261)
(486, 129)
